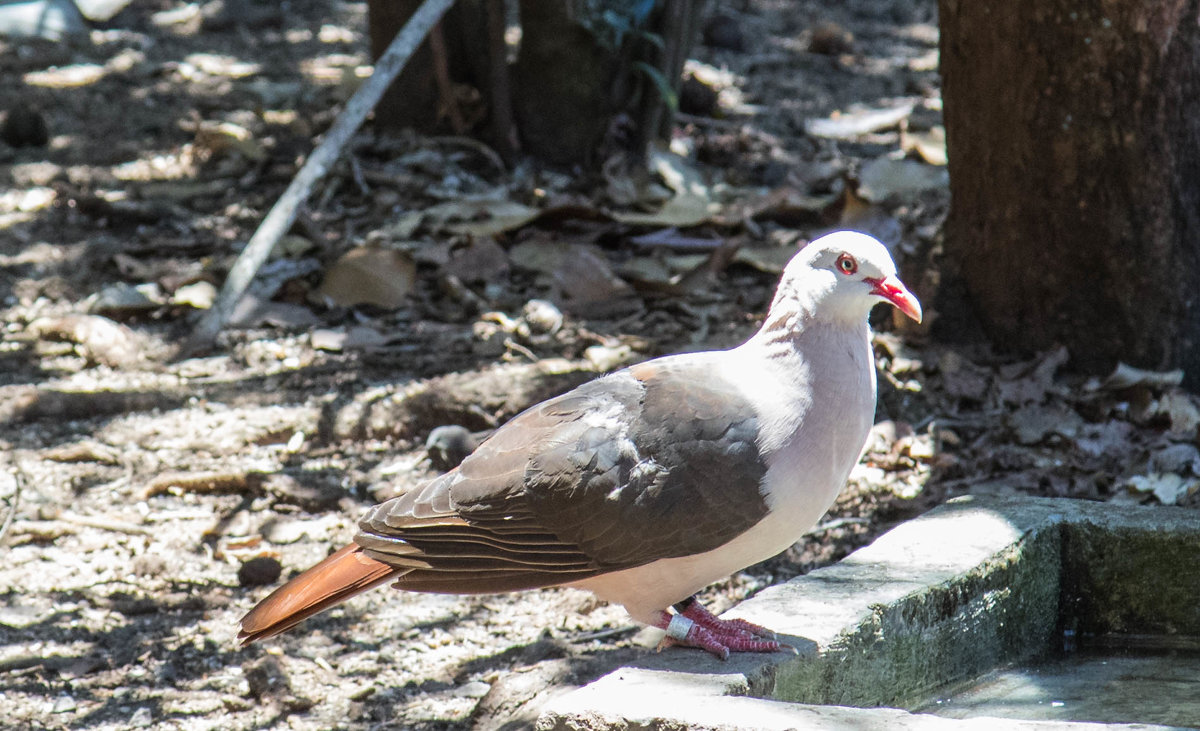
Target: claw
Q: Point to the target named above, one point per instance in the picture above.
(716, 649)
(694, 626)
(696, 612)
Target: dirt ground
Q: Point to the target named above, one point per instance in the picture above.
(140, 488)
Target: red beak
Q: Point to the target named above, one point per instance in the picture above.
(893, 290)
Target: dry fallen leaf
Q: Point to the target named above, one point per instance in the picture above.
(962, 378)
(484, 218)
(1032, 424)
(546, 255)
(692, 203)
(859, 214)
(648, 272)
(589, 286)
(474, 217)
(1180, 409)
(370, 276)
(99, 339)
(1028, 382)
(885, 176)
(930, 146)
(540, 255)
(1168, 487)
(769, 259)
(1126, 376)
(482, 260)
(253, 311)
(1113, 438)
(847, 126)
(292, 245)
(1181, 458)
(789, 206)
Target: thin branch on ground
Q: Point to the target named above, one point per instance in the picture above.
(283, 214)
(18, 482)
(504, 128)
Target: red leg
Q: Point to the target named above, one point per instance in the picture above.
(695, 611)
(694, 626)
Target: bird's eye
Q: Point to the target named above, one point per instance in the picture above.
(846, 264)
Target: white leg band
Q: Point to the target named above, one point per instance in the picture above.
(679, 626)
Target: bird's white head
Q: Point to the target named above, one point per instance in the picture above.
(839, 278)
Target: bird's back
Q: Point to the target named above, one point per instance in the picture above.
(815, 399)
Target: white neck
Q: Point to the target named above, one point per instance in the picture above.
(789, 320)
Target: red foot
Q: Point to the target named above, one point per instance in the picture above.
(695, 626)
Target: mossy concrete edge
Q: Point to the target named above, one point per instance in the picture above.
(972, 584)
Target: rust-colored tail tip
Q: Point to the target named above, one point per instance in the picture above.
(343, 574)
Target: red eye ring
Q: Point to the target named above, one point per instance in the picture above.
(846, 264)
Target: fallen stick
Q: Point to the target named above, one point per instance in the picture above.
(104, 523)
(283, 214)
(18, 483)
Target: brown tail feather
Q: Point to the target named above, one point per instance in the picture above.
(345, 573)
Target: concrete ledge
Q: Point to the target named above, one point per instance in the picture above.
(646, 703)
(975, 584)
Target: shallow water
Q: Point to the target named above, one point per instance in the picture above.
(1112, 685)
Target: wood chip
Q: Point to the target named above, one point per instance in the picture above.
(85, 451)
(205, 483)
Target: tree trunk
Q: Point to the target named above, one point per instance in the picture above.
(1074, 145)
(581, 72)
(414, 99)
(411, 100)
(563, 96)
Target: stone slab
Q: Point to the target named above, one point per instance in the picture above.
(48, 19)
(972, 585)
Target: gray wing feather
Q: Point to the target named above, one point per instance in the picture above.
(652, 462)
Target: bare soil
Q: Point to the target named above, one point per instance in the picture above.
(145, 485)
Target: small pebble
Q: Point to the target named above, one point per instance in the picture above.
(199, 295)
(63, 704)
(141, 718)
(447, 446)
(474, 689)
(122, 300)
(542, 316)
(259, 571)
(831, 39)
(24, 127)
(284, 531)
(604, 358)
